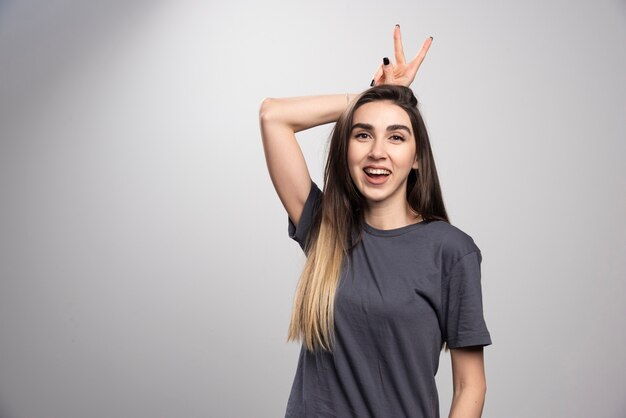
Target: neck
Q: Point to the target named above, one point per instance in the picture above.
(387, 216)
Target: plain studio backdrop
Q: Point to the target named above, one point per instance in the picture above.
(145, 266)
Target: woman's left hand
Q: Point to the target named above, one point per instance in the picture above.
(400, 73)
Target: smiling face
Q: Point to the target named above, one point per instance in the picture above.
(381, 152)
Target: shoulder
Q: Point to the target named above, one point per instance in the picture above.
(313, 200)
(308, 218)
(315, 190)
(453, 243)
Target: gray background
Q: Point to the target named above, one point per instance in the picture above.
(144, 260)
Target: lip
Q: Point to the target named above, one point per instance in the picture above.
(379, 180)
(377, 166)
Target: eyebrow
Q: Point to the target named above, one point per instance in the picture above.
(368, 127)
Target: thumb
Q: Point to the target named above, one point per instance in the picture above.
(388, 71)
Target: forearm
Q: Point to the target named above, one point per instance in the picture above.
(468, 402)
(300, 113)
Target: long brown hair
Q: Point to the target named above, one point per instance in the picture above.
(337, 225)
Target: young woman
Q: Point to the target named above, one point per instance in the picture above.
(388, 281)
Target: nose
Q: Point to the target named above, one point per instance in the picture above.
(377, 151)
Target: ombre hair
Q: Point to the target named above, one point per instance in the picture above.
(338, 222)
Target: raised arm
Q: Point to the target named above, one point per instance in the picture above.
(280, 120)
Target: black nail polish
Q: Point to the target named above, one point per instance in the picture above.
(397, 25)
(372, 83)
(386, 61)
(431, 38)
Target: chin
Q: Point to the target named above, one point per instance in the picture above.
(380, 195)
(375, 197)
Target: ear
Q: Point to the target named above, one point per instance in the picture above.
(415, 164)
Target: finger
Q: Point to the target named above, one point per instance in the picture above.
(417, 61)
(388, 71)
(397, 46)
(377, 76)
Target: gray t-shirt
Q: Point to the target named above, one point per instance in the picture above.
(402, 293)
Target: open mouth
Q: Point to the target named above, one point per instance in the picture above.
(376, 173)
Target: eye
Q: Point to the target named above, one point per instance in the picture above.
(397, 138)
(361, 135)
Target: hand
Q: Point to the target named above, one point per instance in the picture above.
(400, 73)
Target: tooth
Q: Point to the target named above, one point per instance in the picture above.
(377, 171)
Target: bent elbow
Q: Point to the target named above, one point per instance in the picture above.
(266, 110)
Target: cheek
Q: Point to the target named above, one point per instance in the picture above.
(350, 151)
(410, 157)
(353, 169)
(352, 159)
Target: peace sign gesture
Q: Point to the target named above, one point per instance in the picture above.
(400, 73)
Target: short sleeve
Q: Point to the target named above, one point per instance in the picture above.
(464, 322)
(300, 233)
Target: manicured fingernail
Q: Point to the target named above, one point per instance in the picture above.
(372, 83)
(431, 38)
(386, 61)
(397, 25)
